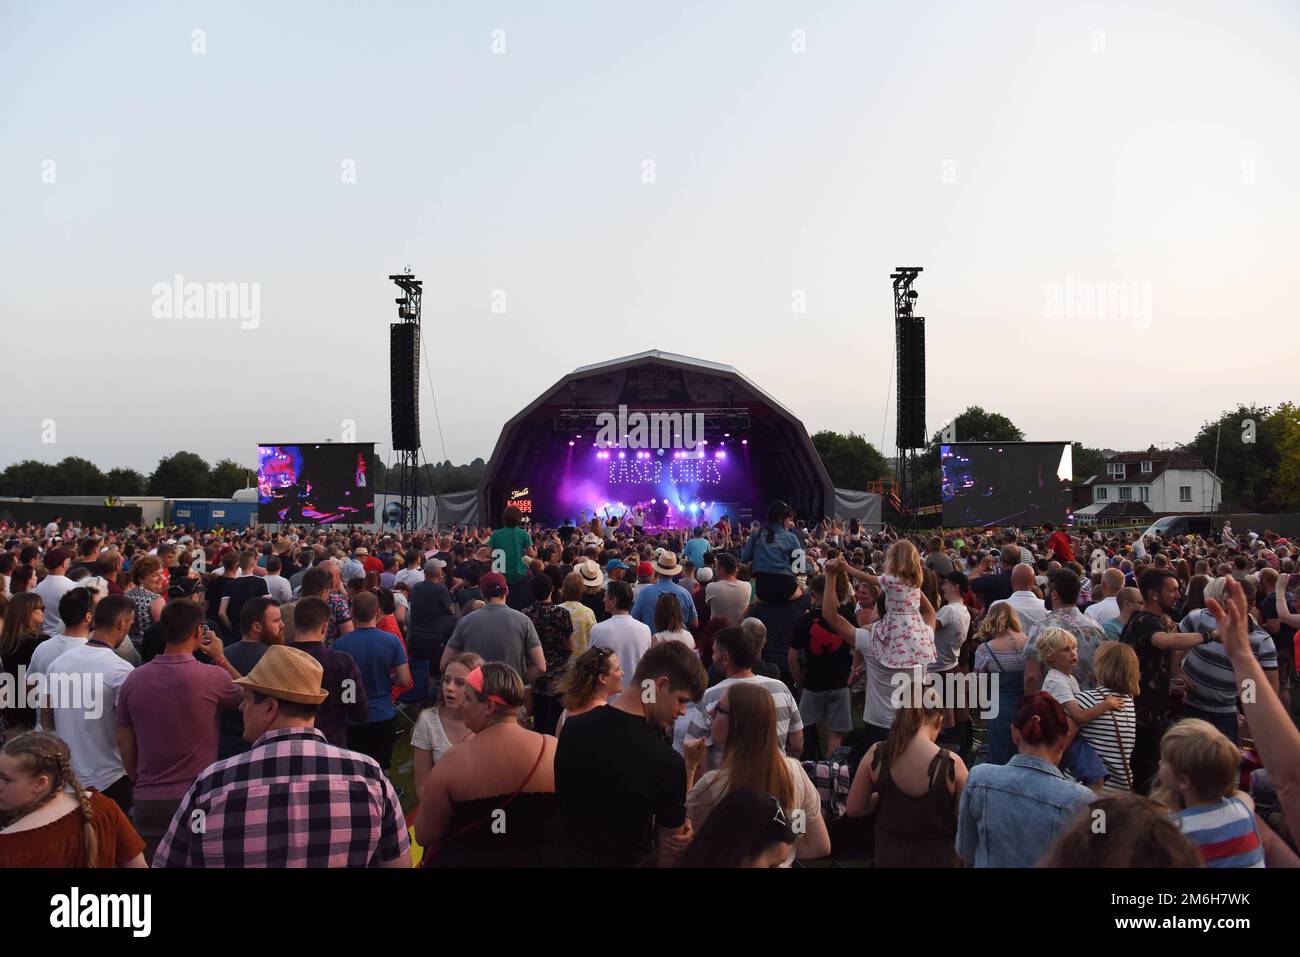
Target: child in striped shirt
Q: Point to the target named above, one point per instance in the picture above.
(1198, 777)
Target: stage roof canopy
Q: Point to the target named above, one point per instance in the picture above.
(782, 459)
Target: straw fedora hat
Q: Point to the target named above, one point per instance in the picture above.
(590, 573)
(288, 674)
(666, 564)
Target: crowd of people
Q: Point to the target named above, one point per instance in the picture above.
(609, 694)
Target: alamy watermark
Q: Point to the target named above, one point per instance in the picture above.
(654, 430)
(1081, 299)
(179, 299)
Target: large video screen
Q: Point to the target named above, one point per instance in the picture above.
(1005, 483)
(316, 484)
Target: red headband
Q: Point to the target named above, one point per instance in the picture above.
(475, 680)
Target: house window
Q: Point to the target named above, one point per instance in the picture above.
(1116, 469)
(1184, 493)
(1126, 493)
(1144, 493)
(1101, 493)
(1146, 468)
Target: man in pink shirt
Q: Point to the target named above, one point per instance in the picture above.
(167, 718)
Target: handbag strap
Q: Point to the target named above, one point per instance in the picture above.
(504, 804)
(1123, 753)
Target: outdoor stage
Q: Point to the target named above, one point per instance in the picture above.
(684, 440)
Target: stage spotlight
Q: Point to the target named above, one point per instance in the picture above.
(570, 443)
(654, 501)
(726, 435)
(622, 455)
(744, 441)
(659, 452)
(692, 508)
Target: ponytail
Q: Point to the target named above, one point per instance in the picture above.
(1041, 720)
(42, 753)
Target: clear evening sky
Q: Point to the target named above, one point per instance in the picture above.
(1105, 198)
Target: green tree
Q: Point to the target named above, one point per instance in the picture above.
(1088, 462)
(123, 482)
(976, 425)
(1283, 430)
(1244, 441)
(228, 477)
(80, 477)
(183, 475)
(851, 461)
(29, 477)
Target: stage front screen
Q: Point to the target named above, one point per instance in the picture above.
(316, 484)
(1005, 483)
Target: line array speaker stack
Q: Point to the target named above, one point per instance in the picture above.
(404, 358)
(911, 382)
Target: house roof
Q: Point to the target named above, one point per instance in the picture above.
(1160, 461)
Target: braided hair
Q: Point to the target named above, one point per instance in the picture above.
(42, 753)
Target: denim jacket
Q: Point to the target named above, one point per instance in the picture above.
(1010, 814)
(776, 556)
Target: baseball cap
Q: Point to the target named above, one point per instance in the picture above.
(615, 563)
(645, 568)
(492, 585)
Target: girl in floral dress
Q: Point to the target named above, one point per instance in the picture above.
(902, 638)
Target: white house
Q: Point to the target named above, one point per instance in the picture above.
(1152, 483)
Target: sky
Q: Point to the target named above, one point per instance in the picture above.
(1105, 199)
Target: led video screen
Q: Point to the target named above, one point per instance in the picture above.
(316, 484)
(1005, 483)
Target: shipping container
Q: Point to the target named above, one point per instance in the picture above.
(207, 514)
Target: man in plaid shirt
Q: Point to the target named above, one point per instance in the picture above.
(294, 799)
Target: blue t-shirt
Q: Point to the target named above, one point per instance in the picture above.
(376, 653)
(643, 609)
(695, 550)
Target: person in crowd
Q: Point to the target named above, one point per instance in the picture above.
(293, 799)
(1001, 651)
(822, 676)
(497, 632)
(20, 637)
(383, 665)
(668, 622)
(91, 732)
(277, 585)
(246, 585)
(990, 586)
(905, 635)
(1199, 771)
(952, 622)
(620, 632)
(1060, 654)
(76, 611)
(555, 633)
(771, 554)
(1011, 814)
(1111, 735)
(726, 595)
(582, 617)
(432, 617)
(666, 569)
(48, 819)
(442, 727)
(1129, 603)
(1112, 581)
(622, 788)
(1279, 613)
(53, 587)
(913, 787)
(744, 725)
(260, 627)
(167, 716)
(1138, 833)
(504, 773)
(341, 677)
(1153, 635)
(735, 653)
(509, 547)
(593, 678)
(149, 585)
(749, 829)
(1063, 590)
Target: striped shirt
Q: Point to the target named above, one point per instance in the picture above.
(1214, 688)
(788, 721)
(1108, 734)
(293, 800)
(1224, 833)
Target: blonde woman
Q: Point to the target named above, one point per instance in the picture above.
(744, 726)
(50, 820)
(1001, 652)
(913, 786)
(584, 619)
(1115, 666)
(594, 677)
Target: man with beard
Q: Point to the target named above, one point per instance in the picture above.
(1153, 634)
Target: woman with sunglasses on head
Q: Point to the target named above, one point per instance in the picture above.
(744, 726)
(442, 727)
(19, 636)
(594, 677)
(490, 802)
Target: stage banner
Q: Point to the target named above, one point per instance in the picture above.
(456, 508)
(864, 506)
